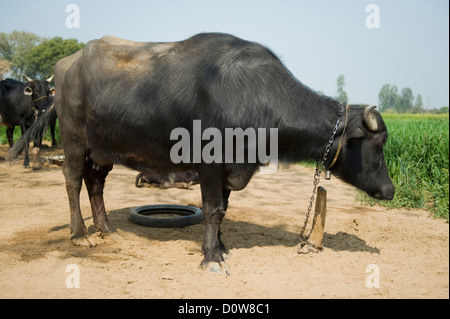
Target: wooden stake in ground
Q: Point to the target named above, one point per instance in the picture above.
(314, 241)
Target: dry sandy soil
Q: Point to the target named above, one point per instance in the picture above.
(410, 249)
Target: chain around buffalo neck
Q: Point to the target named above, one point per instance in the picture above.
(318, 171)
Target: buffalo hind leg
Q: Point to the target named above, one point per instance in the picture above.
(26, 161)
(94, 177)
(80, 235)
(213, 209)
(73, 167)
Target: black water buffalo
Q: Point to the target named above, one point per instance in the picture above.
(21, 103)
(167, 180)
(119, 101)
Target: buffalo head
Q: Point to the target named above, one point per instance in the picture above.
(39, 90)
(361, 161)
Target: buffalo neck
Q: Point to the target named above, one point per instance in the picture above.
(305, 134)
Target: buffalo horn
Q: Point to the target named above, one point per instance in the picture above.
(370, 119)
(27, 78)
(49, 79)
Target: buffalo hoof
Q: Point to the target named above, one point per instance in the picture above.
(114, 236)
(83, 241)
(226, 255)
(215, 267)
(37, 166)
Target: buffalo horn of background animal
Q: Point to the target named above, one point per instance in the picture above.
(27, 78)
(50, 79)
(370, 119)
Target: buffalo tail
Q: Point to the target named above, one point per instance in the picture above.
(34, 131)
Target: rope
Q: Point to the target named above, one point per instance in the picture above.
(340, 141)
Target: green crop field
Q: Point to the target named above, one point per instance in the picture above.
(3, 139)
(417, 155)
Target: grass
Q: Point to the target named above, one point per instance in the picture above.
(4, 140)
(17, 135)
(417, 155)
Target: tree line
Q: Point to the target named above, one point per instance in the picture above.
(390, 100)
(25, 53)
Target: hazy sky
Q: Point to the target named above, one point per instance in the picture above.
(317, 40)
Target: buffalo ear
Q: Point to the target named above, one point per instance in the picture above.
(28, 91)
(356, 134)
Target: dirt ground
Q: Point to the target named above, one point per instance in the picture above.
(407, 251)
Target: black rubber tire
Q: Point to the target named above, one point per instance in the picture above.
(189, 215)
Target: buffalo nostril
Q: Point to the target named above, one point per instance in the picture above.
(387, 192)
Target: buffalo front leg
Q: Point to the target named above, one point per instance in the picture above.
(94, 178)
(213, 209)
(225, 253)
(9, 134)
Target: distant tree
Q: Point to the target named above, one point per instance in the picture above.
(41, 60)
(342, 95)
(404, 101)
(419, 101)
(387, 97)
(442, 110)
(4, 68)
(418, 105)
(14, 47)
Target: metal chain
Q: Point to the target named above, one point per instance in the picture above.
(316, 180)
